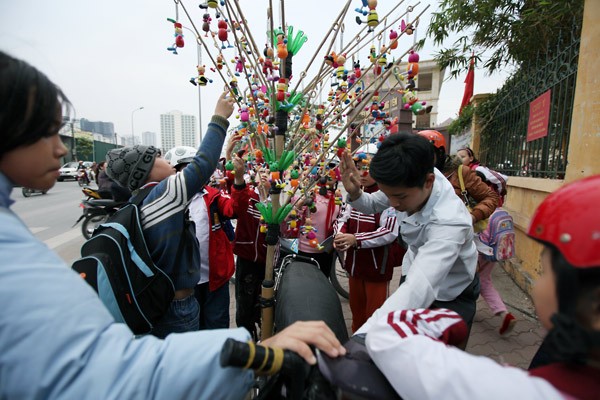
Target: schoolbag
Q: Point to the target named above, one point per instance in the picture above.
(116, 262)
(499, 236)
(494, 180)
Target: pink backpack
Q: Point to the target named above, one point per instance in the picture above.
(499, 236)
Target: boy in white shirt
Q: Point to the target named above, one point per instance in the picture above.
(440, 262)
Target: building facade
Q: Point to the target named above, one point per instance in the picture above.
(105, 129)
(177, 129)
(149, 139)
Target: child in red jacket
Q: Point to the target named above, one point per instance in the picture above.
(372, 252)
(249, 247)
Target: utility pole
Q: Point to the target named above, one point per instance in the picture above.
(132, 131)
(74, 144)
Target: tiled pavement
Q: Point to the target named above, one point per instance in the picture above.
(516, 348)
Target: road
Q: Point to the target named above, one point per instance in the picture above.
(51, 217)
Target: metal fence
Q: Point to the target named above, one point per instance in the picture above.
(504, 145)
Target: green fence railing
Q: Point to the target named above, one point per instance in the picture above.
(504, 145)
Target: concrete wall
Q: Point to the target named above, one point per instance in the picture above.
(525, 194)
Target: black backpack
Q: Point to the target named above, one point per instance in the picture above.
(117, 264)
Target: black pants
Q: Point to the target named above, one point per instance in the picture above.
(465, 304)
(248, 280)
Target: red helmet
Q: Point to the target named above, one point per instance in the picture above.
(569, 219)
(434, 137)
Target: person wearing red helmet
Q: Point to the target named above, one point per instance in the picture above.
(486, 201)
(567, 301)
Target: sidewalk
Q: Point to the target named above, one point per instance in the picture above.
(516, 348)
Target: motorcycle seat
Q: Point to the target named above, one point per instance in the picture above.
(108, 203)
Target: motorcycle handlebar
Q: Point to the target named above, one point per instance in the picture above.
(262, 359)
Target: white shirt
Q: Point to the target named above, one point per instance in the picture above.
(441, 258)
(199, 214)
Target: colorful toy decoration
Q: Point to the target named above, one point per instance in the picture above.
(206, 19)
(200, 79)
(178, 36)
(223, 29)
(372, 17)
(412, 69)
(294, 125)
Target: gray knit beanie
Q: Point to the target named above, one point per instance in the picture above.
(130, 166)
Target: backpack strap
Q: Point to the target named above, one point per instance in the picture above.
(461, 180)
(140, 195)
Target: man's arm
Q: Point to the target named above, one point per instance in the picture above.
(371, 203)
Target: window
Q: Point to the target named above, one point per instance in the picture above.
(424, 82)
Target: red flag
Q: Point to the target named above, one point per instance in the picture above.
(469, 83)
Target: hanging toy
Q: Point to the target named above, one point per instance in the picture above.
(373, 54)
(293, 223)
(408, 27)
(222, 33)
(206, 24)
(244, 44)
(235, 91)
(393, 39)
(178, 36)
(220, 61)
(341, 146)
(412, 69)
(282, 51)
(282, 90)
(340, 71)
(363, 10)
(294, 175)
(372, 17)
(244, 113)
(275, 174)
(200, 79)
(310, 232)
(263, 226)
(239, 65)
(229, 171)
(267, 64)
(411, 102)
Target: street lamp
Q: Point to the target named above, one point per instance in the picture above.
(132, 131)
(199, 51)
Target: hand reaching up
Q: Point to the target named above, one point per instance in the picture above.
(350, 176)
(224, 107)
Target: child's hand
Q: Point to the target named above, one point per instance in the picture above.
(224, 107)
(239, 168)
(343, 241)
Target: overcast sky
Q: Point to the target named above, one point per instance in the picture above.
(110, 57)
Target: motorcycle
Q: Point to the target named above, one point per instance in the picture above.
(83, 177)
(27, 192)
(95, 211)
(303, 293)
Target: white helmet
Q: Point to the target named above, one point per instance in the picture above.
(180, 154)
